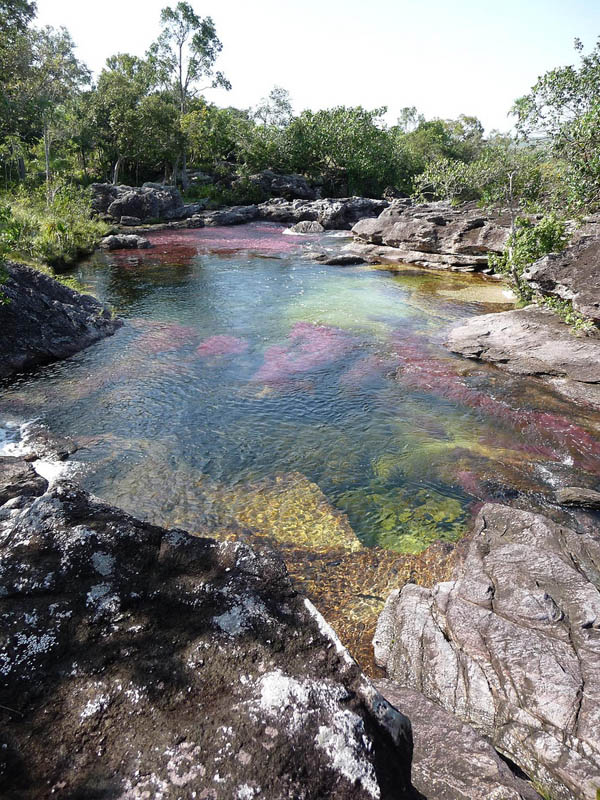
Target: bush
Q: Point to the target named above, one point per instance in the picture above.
(57, 231)
(525, 245)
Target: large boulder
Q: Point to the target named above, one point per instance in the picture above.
(291, 187)
(43, 320)
(125, 241)
(511, 645)
(150, 201)
(571, 275)
(19, 479)
(144, 663)
(333, 214)
(451, 761)
(434, 234)
(235, 215)
(534, 341)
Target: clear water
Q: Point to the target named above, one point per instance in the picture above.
(253, 392)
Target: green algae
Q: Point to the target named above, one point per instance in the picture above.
(402, 519)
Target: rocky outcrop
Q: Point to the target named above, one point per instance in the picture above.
(431, 235)
(571, 275)
(333, 214)
(43, 320)
(18, 478)
(534, 341)
(125, 241)
(150, 201)
(307, 226)
(512, 645)
(578, 497)
(291, 187)
(451, 761)
(139, 662)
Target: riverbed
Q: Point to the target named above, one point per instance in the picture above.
(255, 393)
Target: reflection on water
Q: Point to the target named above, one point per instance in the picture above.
(253, 393)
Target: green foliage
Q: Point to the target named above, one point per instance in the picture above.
(565, 310)
(564, 107)
(528, 243)
(57, 232)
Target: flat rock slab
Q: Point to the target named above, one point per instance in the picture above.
(512, 645)
(571, 275)
(451, 761)
(534, 341)
(44, 320)
(143, 663)
(433, 234)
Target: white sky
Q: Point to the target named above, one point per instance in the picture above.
(446, 57)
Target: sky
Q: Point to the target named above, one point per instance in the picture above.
(446, 57)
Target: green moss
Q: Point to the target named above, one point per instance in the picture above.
(401, 519)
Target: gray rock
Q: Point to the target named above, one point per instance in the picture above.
(511, 646)
(125, 241)
(291, 187)
(534, 341)
(451, 761)
(18, 478)
(571, 275)
(138, 662)
(434, 234)
(44, 320)
(130, 221)
(578, 496)
(307, 226)
(333, 214)
(150, 201)
(236, 215)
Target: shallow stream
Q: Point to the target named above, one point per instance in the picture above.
(253, 392)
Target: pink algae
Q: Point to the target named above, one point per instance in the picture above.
(166, 338)
(222, 345)
(308, 347)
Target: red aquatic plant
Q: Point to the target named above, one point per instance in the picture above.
(222, 345)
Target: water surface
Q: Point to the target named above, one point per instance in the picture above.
(255, 392)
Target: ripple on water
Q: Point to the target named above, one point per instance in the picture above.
(253, 393)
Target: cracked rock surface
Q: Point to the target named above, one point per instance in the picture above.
(431, 235)
(44, 320)
(534, 341)
(142, 663)
(451, 761)
(512, 645)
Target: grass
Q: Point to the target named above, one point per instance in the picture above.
(55, 230)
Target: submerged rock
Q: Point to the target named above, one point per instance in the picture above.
(140, 662)
(534, 341)
(511, 645)
(431, 235)
(44, 320)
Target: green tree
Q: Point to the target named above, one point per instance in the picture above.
(276, 109)
(184, 55)
(56, 76)
(563, 107)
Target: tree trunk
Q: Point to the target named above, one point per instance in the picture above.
(22, 170)
(116, 170)
(184, 176)
(47, 159)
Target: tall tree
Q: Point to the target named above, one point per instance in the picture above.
(184, 55)
(276, 109)
(563, 107)
(57, 75)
